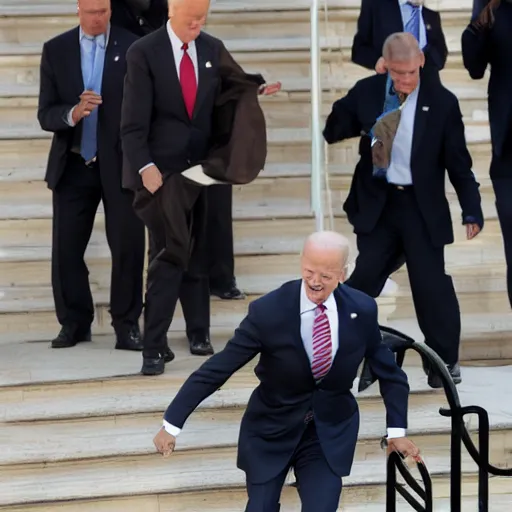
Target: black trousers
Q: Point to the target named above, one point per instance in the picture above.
(401, 229)
(75, 202)
(176, 218)
(319, 488)
(501, 174)
(221, 264)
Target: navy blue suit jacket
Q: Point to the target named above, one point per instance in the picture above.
(273, 423)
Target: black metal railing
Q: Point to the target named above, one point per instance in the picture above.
(399, 343)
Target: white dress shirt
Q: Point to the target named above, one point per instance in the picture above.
(399, 170)
(307, 316)
(178, 55)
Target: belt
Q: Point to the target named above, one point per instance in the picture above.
(90, 163)
(401, 188)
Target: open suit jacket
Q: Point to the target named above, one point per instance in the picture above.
(273, 422)
(60, 87)
(155, 125)
(380, 18)
(438, 145)
(493, 47)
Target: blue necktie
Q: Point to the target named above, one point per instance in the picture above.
(92, 81)
(413, 23)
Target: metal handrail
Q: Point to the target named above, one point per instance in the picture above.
(317, 168)
(399, 343)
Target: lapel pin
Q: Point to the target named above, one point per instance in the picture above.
(208, 64)
(116, 58)
(353, 315)
(425, 109)
(428, 27)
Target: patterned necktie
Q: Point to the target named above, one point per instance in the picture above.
(93, 75)
(413, 23)
(188, 81)
(322, 346)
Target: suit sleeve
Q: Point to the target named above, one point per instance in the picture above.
(458, 163)
(51, 112)
(364, 52)
(475, 51)
(343, 121)
(136, 111)
(228, 65)
(394, 386)
(436, 49)
(243, 346)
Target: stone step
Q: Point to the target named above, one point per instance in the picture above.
(291, 108)
(374, 500)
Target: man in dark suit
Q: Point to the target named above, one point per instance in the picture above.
(166, 129)
(487, 41)
(141, 17)
(404, 210)
(380, 18)
(82, 76)
(311, 335)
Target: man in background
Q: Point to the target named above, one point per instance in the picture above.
(401, 208)
(81, 89)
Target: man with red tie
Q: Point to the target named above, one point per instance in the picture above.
(173, 79)
(311, 335)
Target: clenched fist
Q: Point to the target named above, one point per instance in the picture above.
(164, 443)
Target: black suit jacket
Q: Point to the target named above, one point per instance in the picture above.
(273, 422)
(139, 23)
(494, 47)
(61, 84)
(439, 144)
(380, 18)
(155, 125)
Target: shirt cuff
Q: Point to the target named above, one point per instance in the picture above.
(69, 118)
(145, 167)
(395, 433)
(171, 429)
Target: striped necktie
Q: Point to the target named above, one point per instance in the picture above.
(413, 23)
(322, 345)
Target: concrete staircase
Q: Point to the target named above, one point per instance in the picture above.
(76, 426)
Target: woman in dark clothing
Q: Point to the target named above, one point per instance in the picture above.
(487, 41)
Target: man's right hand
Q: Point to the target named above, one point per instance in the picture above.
(164, 442)
(89, 100)
(152, 179)
(381, 67)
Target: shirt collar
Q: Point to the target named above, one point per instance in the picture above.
(103, 41)
(176, 42)
(306, 305)
(403, 2)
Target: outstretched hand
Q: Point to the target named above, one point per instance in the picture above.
(404, 446)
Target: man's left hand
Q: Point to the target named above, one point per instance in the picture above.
(404, 446)
(269, 89)
(472, 230)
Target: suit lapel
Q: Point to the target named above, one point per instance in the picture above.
(112, 56)
(295, 321)
(74, 62)
(420, 119)
(392, 16)
(205, 71)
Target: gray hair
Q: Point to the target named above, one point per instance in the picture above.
(329, 240)
(400, 47)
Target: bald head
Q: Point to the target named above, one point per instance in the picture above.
(323, 264)
(188, 18)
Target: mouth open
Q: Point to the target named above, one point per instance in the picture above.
(315, 288)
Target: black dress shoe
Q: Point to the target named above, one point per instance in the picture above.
(153, 366)
(229, 292)
(69, 336)
(434, 379)
(168, 354)
(128, 337)
(200, 345)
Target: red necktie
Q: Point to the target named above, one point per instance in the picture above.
(322, 346)
(188, 81)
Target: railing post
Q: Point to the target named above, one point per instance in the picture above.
(316, 130)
